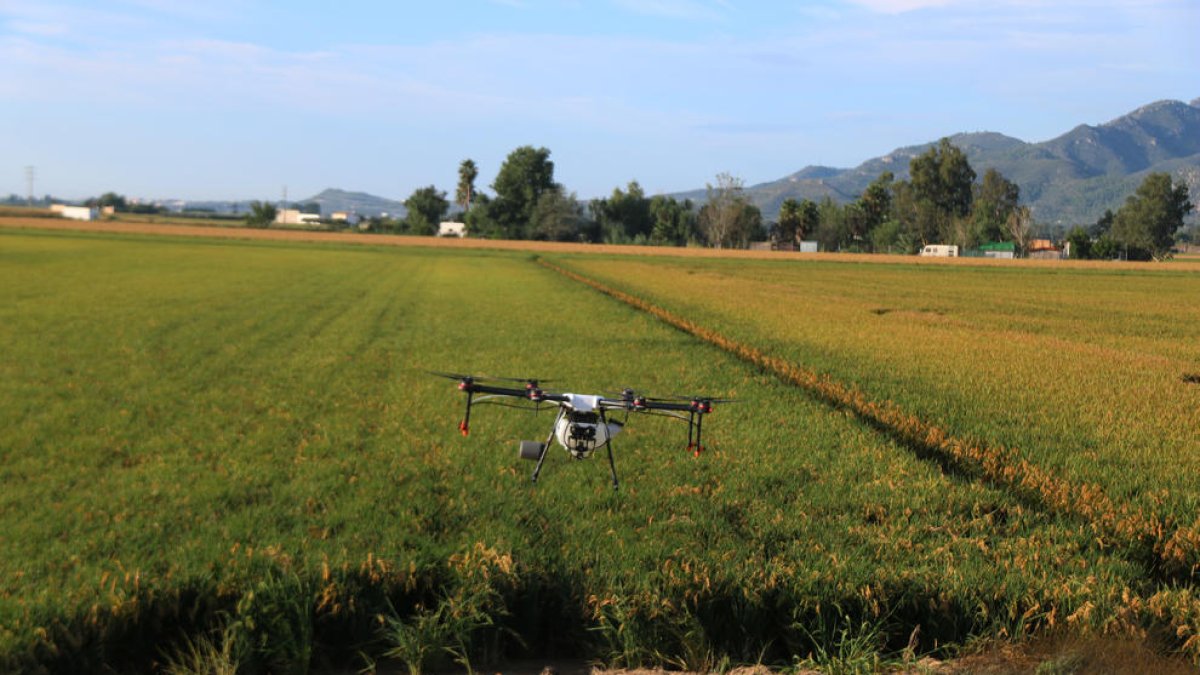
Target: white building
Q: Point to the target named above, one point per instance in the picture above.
(294, 217)
(76, 212)
(449, 229)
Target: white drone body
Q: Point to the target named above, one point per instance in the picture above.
(579, 428)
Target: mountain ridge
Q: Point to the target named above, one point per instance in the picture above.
(364, 204)
(1071, 178)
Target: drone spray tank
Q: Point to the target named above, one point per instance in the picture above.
(579, 428)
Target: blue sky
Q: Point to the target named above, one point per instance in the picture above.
(238, 98)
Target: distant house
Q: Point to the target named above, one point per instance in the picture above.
(295, 217)
(76, 212)
(1044, 249)
(452, 229)
(348, 217)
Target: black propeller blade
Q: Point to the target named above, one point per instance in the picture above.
(524, 380)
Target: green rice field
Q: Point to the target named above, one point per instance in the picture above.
(219, 452)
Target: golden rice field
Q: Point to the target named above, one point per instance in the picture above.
(1086, 374)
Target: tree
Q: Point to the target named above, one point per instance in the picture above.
(995, 199)
(1147, 222)
(118, 202)
(728, 218)
(1018, 228)
(557, 217)
(527, 172)
(262, 214)
(810, 218)
(889, 237)
(1081, 243)
(942, 183)
(1104, 225)
(480, 221)
(876, 201)
(625, 216)
(426, 207)
(674, 221)
(467, 173)
(856, 223)
(789, 221)
(831, 231)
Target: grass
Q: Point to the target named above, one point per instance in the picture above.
(232, 449)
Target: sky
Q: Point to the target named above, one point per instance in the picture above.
(238, 99)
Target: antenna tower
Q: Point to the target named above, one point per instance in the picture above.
(30, 174)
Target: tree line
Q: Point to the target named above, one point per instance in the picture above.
(941, 202)
(527, 203)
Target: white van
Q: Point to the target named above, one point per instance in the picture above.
(939, 251)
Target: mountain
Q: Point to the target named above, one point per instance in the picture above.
(363, 204)
(1066, 180)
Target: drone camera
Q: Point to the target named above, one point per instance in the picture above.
(583, 433)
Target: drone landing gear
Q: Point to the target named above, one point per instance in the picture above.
(541, 456)
(612, 467)
(695, 421)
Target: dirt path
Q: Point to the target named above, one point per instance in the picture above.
(244, 233)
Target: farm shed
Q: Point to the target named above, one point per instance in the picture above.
(452, 229)
(75, 212)
(1000, 249)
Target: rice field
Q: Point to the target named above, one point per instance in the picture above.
(236, 444)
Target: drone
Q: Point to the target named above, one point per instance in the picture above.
(584, 422)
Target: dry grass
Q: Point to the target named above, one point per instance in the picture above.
(227, 232)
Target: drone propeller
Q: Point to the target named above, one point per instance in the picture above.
(460, 377)
(708, 399)
(523, 380)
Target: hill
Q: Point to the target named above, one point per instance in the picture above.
(1069, 179)
(332, 199)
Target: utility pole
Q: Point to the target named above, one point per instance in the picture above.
(30, 174)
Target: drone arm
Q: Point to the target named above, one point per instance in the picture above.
(530, 394)
(475, 387)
